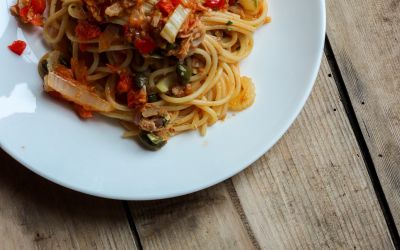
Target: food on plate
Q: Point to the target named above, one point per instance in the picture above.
(161, 67)
(18, 47)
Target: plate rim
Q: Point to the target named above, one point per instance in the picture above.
(255, 156)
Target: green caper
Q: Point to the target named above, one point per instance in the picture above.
(166, 121)
(153, 97)
(170, 46)
(48, 61)
(141, 80)
(151, 141)
(43, 67)
(183, 72)
(64, 61)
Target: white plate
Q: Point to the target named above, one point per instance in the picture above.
(91, 157)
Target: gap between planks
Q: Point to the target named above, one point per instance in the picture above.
(370, 166)
(239, 209)
(132, 225)
(198, 219)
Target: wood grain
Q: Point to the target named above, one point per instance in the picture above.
(204, 220)
(37, 214)
(312, 190)
(365, 38)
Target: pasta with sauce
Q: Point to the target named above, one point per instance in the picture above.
(161, 67)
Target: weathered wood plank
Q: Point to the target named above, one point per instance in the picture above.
(204, 220)
(37, 214)
(365, 37)
(312, 190)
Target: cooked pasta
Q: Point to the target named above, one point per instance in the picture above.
(160, 67)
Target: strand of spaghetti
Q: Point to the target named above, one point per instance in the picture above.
(203, 129)
(207, 59)
(75, 49)
(159, 73)
(215, 80)
(142, 67)
(128, 59)
(226, 97)
(173, 116)
(195, 120)
(256, 22)
(183, 128)
(175, 107)
(110, 95)
(211, 112)
(184, 119)
(72, 38)
(67, 2)
(95, 77)
(103, 69)
(233, 28)
(195, 123)
(210, 94)
(236, 73)
(230, 42)
(246, 45)
(61, 31)
(129, 134)
(123, 116)
(255, 19)
(209, 82)
(112, 48)
(202, 121)
(52, 9)
(94, 64)
(224, 87)
(110, 58)
(261, 18)
(230, 15)
(233, 57)
(215, 19)
(218, 94)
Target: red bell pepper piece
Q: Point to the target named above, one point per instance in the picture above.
(18, 47)
(86, 31)
(124, 84)
(166, 7)
(145, 45)
(38, 6)
(215, 4)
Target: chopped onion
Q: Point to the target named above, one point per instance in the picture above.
(72, 91)
(148, 6)
(174, 24)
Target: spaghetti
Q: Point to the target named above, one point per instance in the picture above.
(160, 67)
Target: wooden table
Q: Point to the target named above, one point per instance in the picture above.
(333, 180)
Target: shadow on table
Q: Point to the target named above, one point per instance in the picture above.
(38, 207)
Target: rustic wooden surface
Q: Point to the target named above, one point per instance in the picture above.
(312, 189)
(332, 182)
(307, 192)
(37, 214)
(205, 220)
(365, 38)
